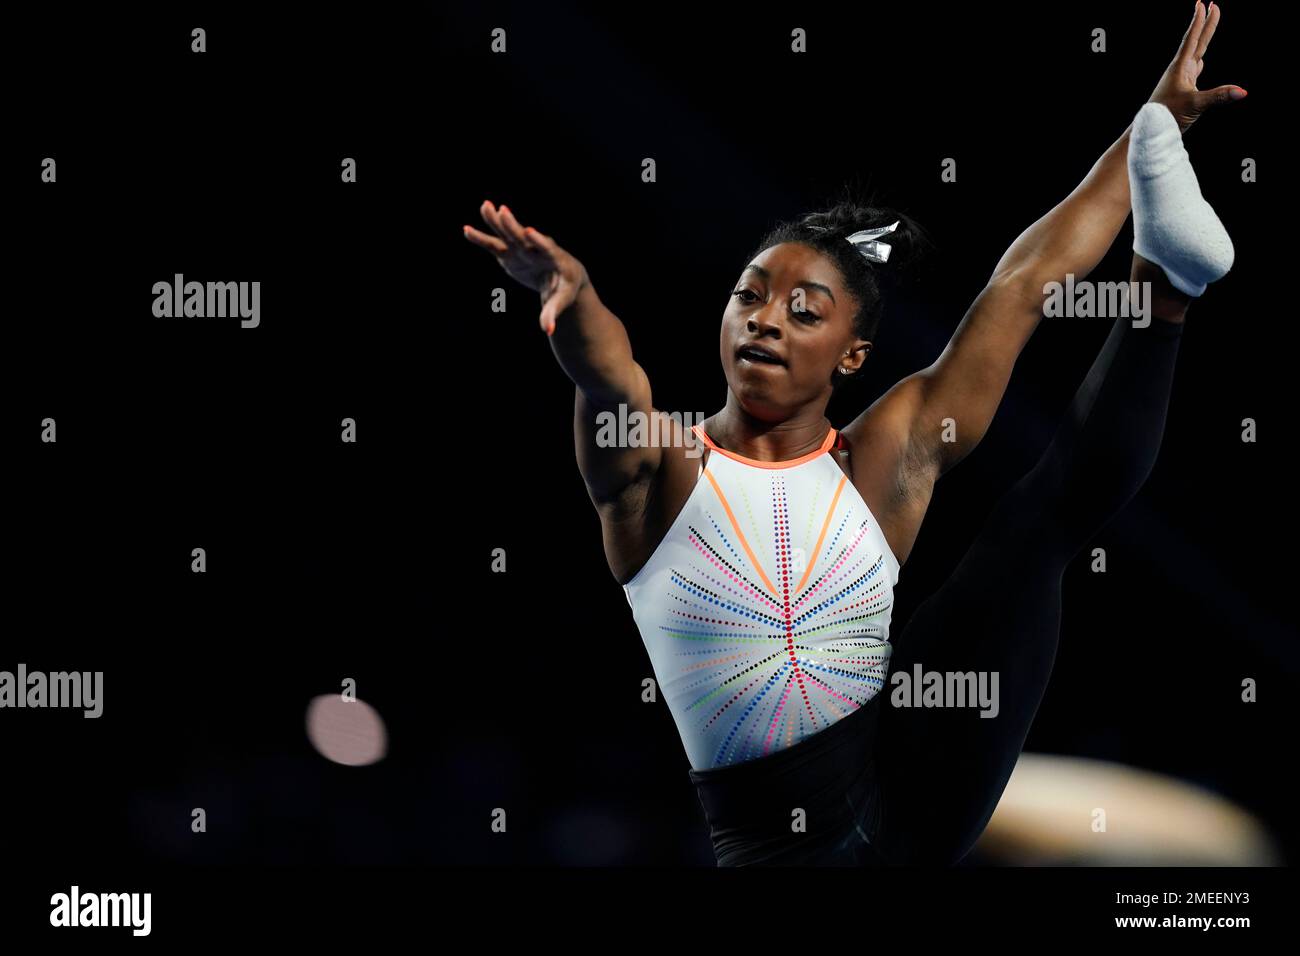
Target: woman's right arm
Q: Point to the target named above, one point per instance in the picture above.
(592, 347)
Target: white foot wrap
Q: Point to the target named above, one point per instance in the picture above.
(1173, 225)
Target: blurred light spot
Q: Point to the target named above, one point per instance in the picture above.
(346, 732)
(1045, 817)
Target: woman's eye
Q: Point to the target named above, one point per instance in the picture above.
(805, 316)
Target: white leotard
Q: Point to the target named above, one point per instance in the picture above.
(765, 609)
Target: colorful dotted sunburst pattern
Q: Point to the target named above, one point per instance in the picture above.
(766, 608)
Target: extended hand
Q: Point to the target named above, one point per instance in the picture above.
(532, 259)
(1177, 88)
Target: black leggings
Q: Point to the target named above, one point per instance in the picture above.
(917, 785)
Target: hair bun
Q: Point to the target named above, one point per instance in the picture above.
(906, 244)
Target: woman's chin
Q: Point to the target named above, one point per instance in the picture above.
(760, 402)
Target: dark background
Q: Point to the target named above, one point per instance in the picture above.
(373, 561)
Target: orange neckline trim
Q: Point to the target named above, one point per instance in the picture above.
(826, 446)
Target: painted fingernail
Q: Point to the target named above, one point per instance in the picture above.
(1237, 93)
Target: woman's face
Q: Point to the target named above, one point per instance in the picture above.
(791, 302)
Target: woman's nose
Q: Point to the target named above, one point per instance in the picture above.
(765, 319)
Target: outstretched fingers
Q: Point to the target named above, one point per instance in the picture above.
(493, 220)
(515, 230)
(506, 231)
(528, 255)
(541, 240)
(1207, 33)
(1187, 49)
(490, 243)
(1220, 94)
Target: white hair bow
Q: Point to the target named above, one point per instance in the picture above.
(865, 241)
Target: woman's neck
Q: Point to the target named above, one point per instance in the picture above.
(737, 431)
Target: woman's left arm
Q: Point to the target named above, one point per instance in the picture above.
(966, 383)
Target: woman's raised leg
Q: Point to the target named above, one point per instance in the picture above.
(943, 769)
